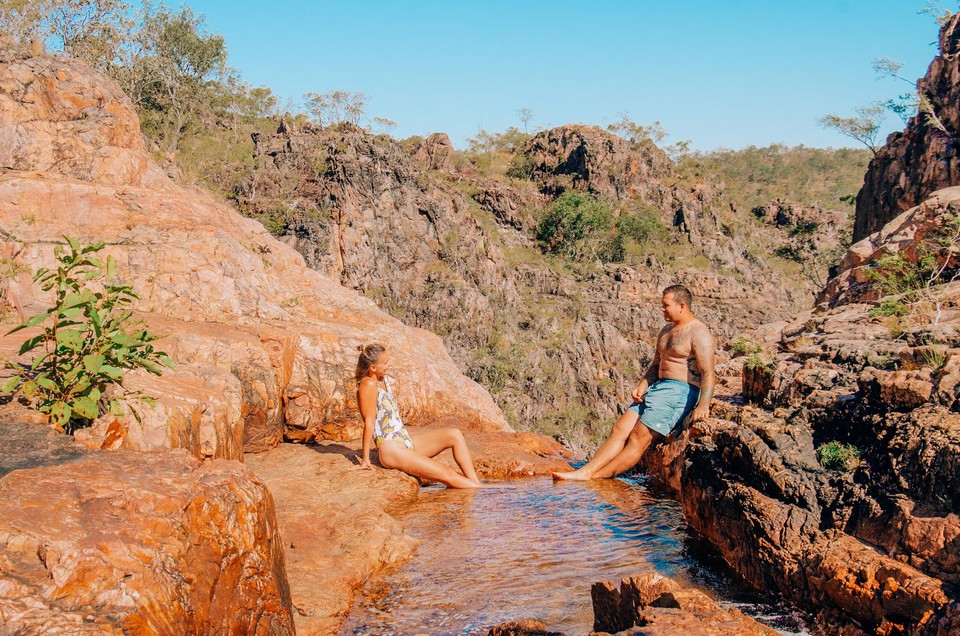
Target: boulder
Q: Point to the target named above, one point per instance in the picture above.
(334, 526)
(140, 543)
(660, 606)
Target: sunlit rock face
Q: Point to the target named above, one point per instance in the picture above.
(868, 539)
(923, 158)
(660, 605)
(97, 542)
(266, 346)
(444, 246)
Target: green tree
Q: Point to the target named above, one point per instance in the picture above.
(864, 127)
(86, 343)
(578, 225)
(336, 107)
(94, 31)
(173, 71)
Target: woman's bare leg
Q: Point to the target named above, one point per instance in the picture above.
(636, 445)
(432, 443)
(612, 447)
(393, 454)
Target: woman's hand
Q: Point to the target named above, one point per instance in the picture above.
(363, 465)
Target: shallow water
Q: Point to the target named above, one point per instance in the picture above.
(531, 549)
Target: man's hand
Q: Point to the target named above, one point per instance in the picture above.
(700, 413)
(638, 393)
(363, 465)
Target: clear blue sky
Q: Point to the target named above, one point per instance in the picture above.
(719, 73)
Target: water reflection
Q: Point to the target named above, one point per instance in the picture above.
(527, 549)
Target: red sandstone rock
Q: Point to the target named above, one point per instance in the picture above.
(660, 606)
(896, 390)
(912, 234)
(262, 340)
(509, 455)
(334, 527)
(922, 159)
(143, 543)
(526, 627)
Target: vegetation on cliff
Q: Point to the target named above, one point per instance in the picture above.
(87, 343)
(509, 250)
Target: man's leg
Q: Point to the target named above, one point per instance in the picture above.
(612, 447)
(637, 443)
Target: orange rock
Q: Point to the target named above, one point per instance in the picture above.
(334, 526)
(662, 606)
(141, 543)
(264, 343)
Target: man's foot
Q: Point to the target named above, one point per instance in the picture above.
(575, 475)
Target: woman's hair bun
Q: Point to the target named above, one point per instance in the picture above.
(360, 348)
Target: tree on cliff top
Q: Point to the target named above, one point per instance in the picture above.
(91, 30)
(336, 107)
(173, 71)
(864, 127)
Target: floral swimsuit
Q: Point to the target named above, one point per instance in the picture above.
(388, 424)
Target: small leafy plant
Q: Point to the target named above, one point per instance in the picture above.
(87, 344)
(838, 456)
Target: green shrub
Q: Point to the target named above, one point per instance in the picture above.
(579, 226)
(838, 456)
(521, 167)
(642, 226)
(744, 346)
(890, 307)
(86, 344)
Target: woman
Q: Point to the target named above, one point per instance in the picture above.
(382, 425)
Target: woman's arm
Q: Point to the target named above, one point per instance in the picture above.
(367, 400)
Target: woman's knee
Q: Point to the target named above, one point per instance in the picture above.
(455, 436)
(388, 455)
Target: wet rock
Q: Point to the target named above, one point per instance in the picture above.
(140, 543)
(525, 627)
(510, 455)
(755, 489)
(655, 605)
(334, 526)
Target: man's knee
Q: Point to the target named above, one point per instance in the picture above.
(641, 434)
(623, 426)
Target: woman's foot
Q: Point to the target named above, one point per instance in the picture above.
(576, 475)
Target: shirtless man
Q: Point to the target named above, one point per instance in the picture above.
(680, 379)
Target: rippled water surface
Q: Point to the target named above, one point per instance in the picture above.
(530, 549)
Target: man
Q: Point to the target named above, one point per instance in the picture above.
(679, 380)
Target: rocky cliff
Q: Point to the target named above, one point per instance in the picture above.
(923, 158)
(837, 487)
(266, 346)
(442, 247)
(167, 532)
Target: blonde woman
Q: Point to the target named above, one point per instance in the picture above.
(397, 448)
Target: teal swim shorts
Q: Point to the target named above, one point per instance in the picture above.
(665, 404)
